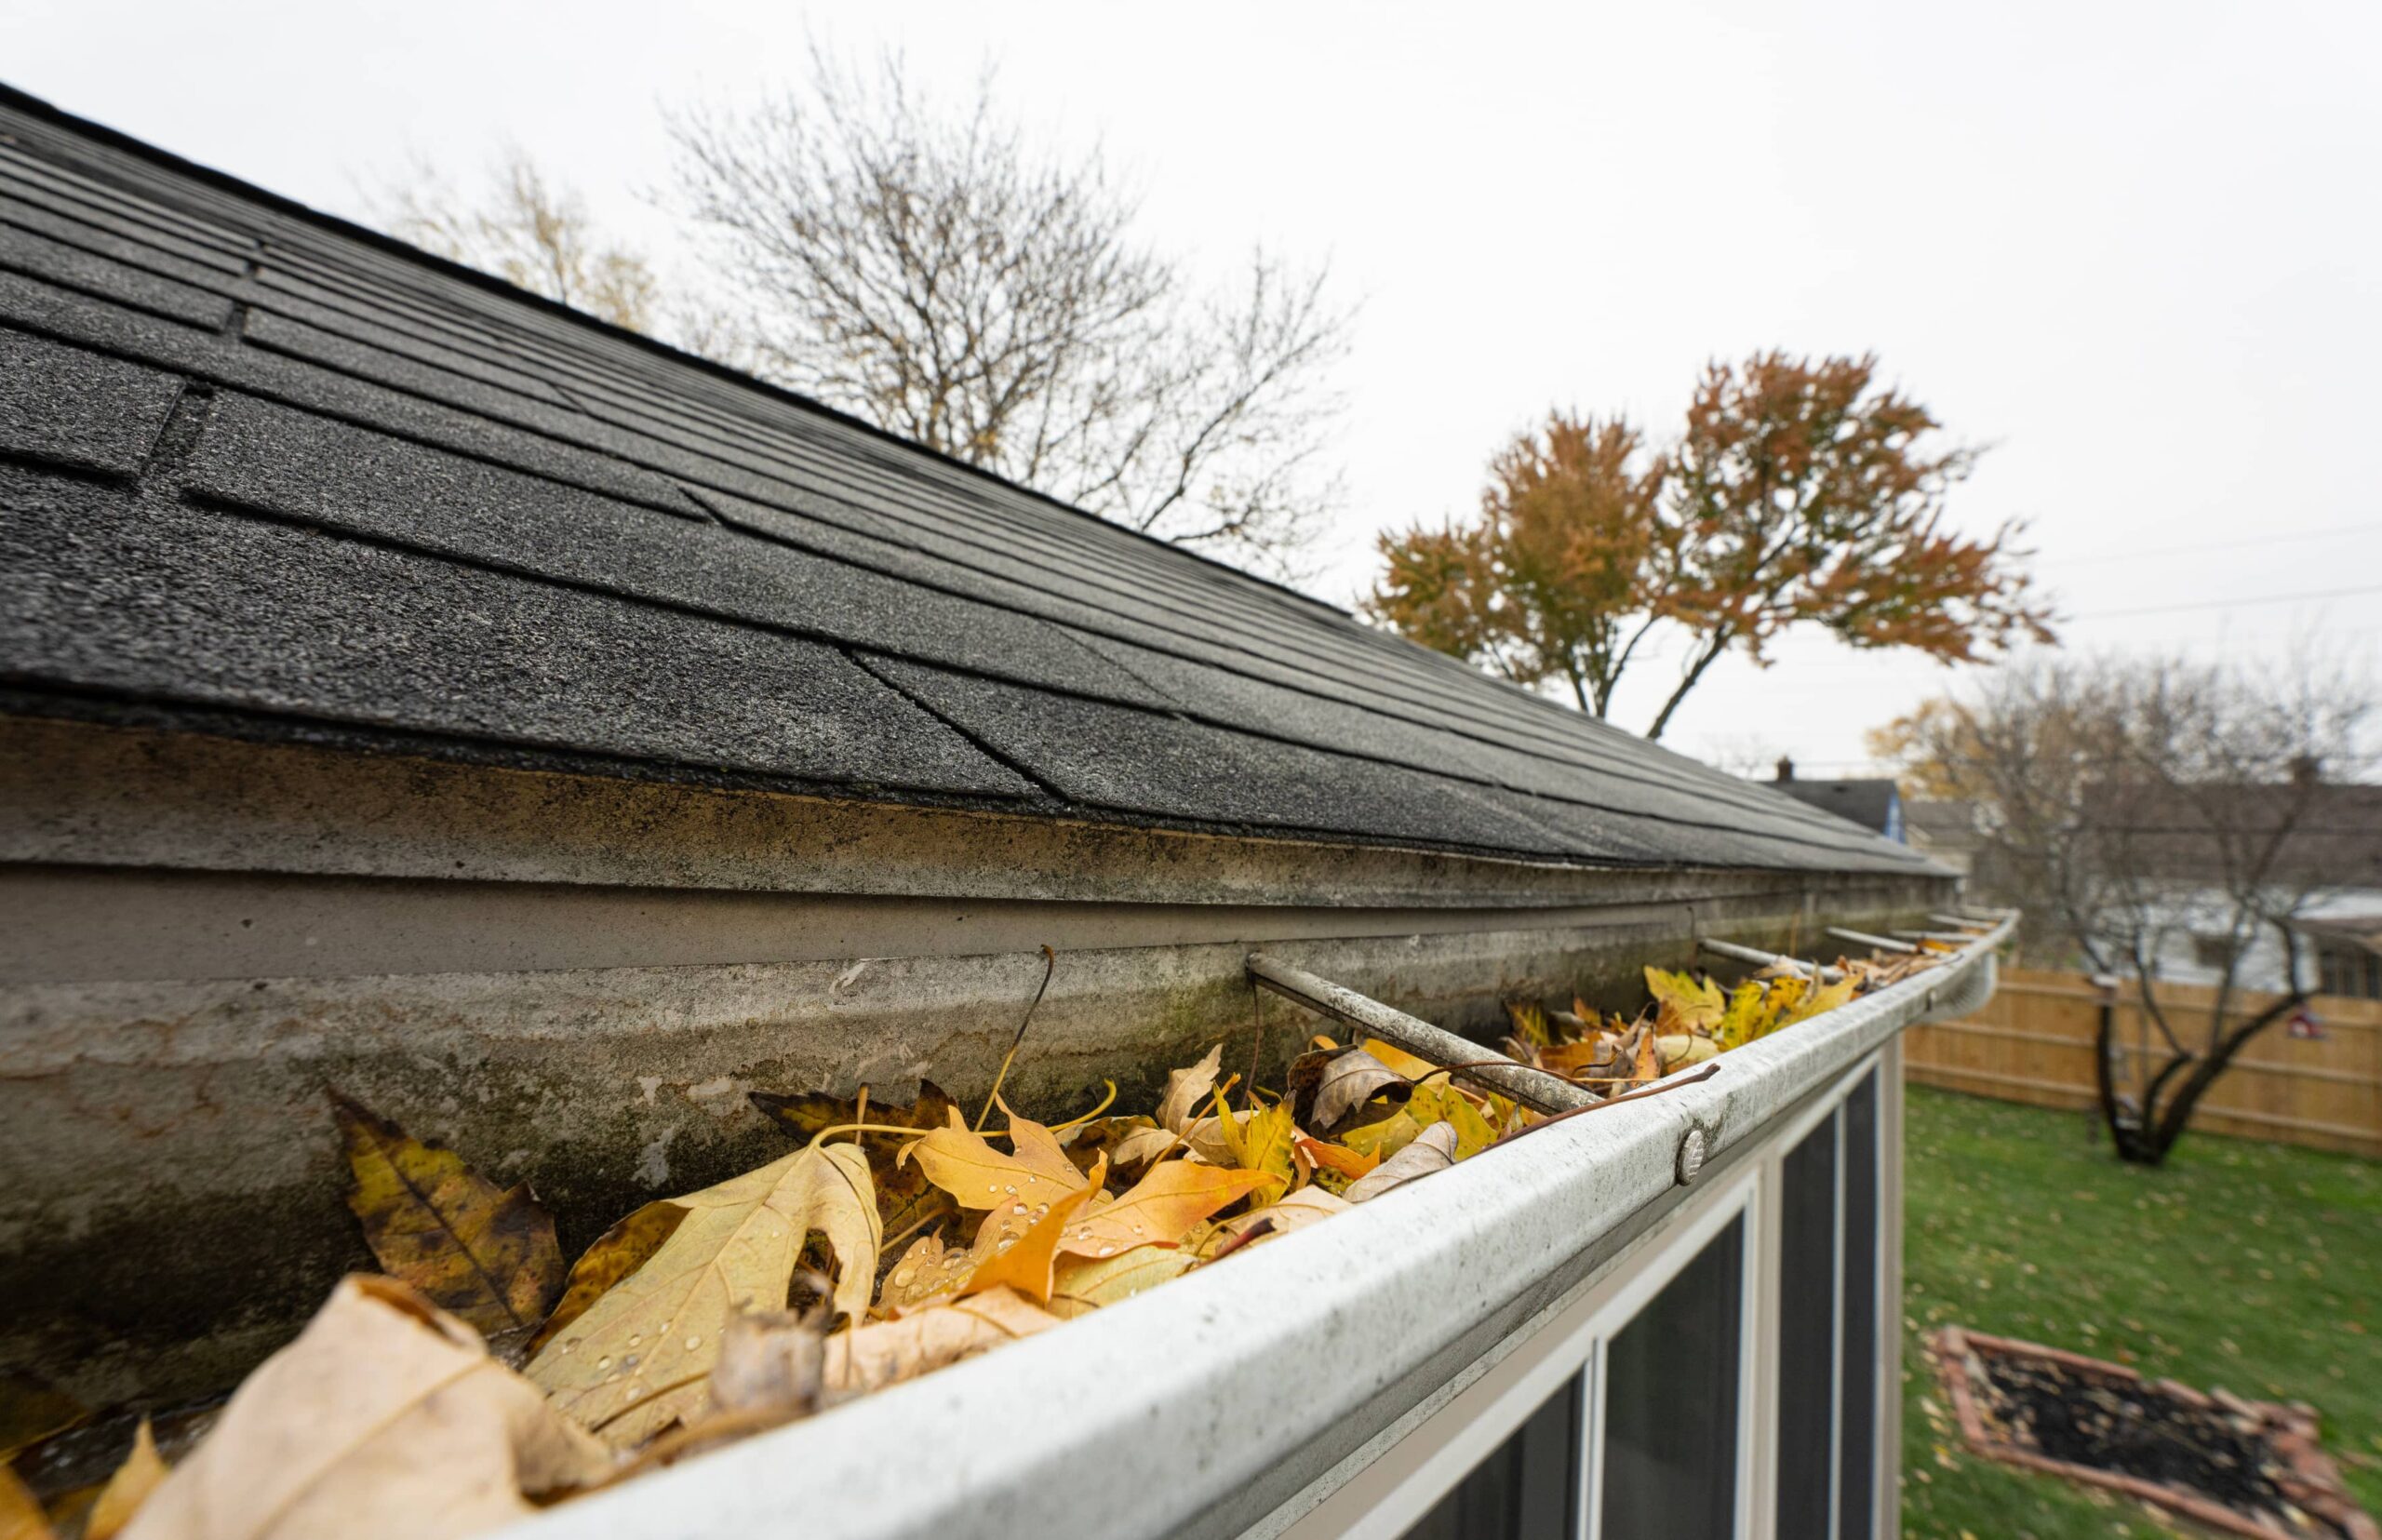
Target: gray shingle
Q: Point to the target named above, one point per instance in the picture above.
(74, 408)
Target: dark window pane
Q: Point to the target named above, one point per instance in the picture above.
(1526, 1490)
(1670, 1421)
(1857, 1438)
(1807, 1335)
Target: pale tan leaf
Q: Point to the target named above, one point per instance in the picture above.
(772, 1365)
(385, 1420)
(1298, 1211)
(928, 1268)
(635, 1361)
(1431, 1150)
(1347, 1083)
(1089, 1283)
(1144, 1145)
(887, 1352)
(1186, 1089)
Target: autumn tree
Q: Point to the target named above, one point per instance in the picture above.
(529, 232)
(2133, 807)
(1560, 577)
(938, 274)
(1799, 492)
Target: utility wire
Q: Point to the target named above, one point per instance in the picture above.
(2227, 604)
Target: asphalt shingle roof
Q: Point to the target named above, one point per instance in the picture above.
(262, 466)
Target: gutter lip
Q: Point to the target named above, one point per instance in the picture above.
(1140, 1419)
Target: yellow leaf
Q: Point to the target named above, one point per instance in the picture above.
(1826, 996)
(980, 1177)
(1683, 1002)
(906, 1201)
(616, 1253)
(140, 1475)
(887, 1352)
(20, 1516)
(1037, 1147)
(1088, 1283)
(1741, 1023)
(1399, 1059)
(481, 1251)
(1530, 1023)
(1261, 1143)
(636, 1358)
(1161, 1208)
(928, 1268)
(385, 1420)
(1439, 1101)
(1338, 1157)
(1025, 1262)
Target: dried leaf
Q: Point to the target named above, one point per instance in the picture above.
(1263, 1141)
(1025, 1262)
(1827, 996)
(1338, 1157)
(1742, 1022)
(1148, 1143)
(1685, 1003)
(142, 1471)
(1347, 1082)
(928, 1268)
(905, 1200)
(887, 1352)
(385, 1418)
(20, 1516)
(1399, 1059)
(480, 1252)
(1158, 1209)
(980, 1177)
(1295, 1212)
(1432, 1150)
(636, 1358)
(1649, 1060)
(616, 1253)
(1087, 1283)
(1530, 1023)
(771, 1364)
(1186, 1089)
(1685, 1048)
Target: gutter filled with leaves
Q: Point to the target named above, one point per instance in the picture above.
(478, 1380)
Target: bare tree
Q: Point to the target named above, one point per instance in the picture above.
(526, 231)
(2132, 806)
(940, 276)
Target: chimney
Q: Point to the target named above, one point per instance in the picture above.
(2305, 769)
(1785, 768)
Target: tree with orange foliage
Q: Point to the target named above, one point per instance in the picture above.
(1799, 492)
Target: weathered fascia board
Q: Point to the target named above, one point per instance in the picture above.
(75, 793)
(1194, 1411)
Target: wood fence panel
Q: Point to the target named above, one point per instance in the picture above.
(2034, 1042)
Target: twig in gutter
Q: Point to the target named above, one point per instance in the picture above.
(1704, 1074)
(1050, 966)
(1258, 1231)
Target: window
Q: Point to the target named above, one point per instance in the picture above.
(1528, 1490)
(1829, 1282)
(1858, 1382)
(2214, 951)
(1669, 1409)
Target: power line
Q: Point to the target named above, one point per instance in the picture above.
(2143, 554)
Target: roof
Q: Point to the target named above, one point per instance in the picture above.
(1871, 804)
(268, 472)
(2316, 835)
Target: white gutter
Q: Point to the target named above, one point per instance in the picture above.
(1187, 1409)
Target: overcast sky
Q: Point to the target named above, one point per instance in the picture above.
(2137, 249)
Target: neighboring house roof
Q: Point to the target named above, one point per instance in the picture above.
(1872, 804)
(2200, 834)
(267, 473)
(1945, 822)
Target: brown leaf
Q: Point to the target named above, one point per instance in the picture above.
(385, 1420)
(142, 1471)
(635, 1361)
(887, 1352)
(480, 1252)
(1431, 1150)
(1161, 1208)
(1347, 1084)
(1186, 1089)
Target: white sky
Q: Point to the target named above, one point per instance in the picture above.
(2138, 248)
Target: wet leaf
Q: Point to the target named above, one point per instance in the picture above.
(142, 1471)
(1025, 1262)
(905, 1200)
(1432, 1150)
(1295, 1212)
(1087, 1282)
(480, 1252)
(385, 1420)
(887, 1352)
(1161, 1208)
(636, 1358)
(983, 1179)
(616, 1253)
(928, 1268)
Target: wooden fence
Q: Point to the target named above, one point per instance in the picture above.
(2033, 1042)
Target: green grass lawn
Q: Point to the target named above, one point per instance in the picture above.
(2256, 1267)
